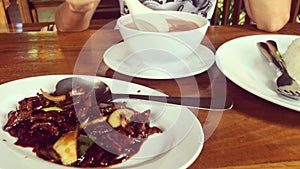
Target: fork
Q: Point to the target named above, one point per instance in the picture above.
(292, 90)
(286, 85)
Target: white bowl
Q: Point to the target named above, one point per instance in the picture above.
(156, 48)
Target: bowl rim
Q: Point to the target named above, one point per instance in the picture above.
(205, 24)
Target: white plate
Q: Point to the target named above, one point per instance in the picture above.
(121, 60)
(181, 127)
(241, 61)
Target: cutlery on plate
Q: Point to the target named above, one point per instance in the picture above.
(292, 90)
(287, 86)
(104, 94)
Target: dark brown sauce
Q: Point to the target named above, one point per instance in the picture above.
(176, 25)
(40, 130)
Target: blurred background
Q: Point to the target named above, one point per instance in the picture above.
(47, 14)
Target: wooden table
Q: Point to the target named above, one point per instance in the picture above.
(254, 134)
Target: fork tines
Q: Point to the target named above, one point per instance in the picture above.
(289, 93)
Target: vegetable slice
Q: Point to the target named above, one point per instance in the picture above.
(115, 119)
(53, 98)
(52, 109)
(84, 143)
(66, 147)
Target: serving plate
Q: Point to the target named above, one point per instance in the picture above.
(121, 60)
(241, 62)
(181, 127)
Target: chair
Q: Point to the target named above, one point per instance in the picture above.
(28, 8)
(294, 11)
(4, 19)
(107, 9)
(230, 12)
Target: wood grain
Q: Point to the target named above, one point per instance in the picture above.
(254, 134)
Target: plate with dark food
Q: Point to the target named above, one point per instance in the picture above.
(67, 121)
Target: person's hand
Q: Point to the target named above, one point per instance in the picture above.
(82, 6)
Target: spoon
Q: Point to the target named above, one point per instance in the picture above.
(104, 94)
(284, 79)
(145, 18)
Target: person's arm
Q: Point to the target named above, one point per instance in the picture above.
(269, 15)
(75, 15)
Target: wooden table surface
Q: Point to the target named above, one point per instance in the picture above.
(254, 134)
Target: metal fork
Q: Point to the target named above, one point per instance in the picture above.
(286, 85)
(291, 90)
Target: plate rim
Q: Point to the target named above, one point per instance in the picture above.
(194, 72)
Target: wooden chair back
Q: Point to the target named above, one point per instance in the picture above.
(29, 8)
(107, 9)
(230, 12)
(294, 11)
(4, 19)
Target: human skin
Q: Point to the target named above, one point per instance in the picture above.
(268, 15)
(75, 15)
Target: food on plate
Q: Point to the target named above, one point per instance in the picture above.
(73, 129)
(292, 59)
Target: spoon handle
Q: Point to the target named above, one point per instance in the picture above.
(136, 7)
(207, 103)
(266, 52)
(275, 52)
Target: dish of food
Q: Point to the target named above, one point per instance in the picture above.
(241, 62)
(148, 156)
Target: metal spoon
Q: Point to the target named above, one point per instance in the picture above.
(104, 94)
(285, 78)
(145, 18)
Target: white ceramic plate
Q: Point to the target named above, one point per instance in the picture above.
(181, 127)
(241, 61)
(121, 60)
